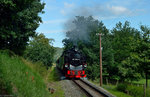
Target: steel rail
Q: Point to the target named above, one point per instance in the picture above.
(91, 90)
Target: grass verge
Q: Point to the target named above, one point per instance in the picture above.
(112, 89)
(53, 82)
(142, 81)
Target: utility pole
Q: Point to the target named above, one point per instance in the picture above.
(100, 60)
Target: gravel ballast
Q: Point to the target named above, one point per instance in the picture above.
(71, 89)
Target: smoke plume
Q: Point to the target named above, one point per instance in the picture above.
(79, 28)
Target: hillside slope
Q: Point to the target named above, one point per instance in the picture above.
(16, 78)
(58, 53)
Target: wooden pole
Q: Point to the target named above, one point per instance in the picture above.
(100, 60)
(101, 78)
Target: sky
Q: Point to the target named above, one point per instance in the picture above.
(110, 12)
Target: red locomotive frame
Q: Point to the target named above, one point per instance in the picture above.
(74, 73)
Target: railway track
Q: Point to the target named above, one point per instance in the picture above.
(92, 90)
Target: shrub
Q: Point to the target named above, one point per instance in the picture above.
(136, 91)
(40, 49)
(147, 92)
(121, 87)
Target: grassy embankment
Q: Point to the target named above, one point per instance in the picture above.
(19, 79)
(51, 78)
(23, 78)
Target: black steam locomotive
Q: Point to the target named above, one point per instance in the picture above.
(72, 62)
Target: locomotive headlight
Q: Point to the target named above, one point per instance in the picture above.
(66, 65)
(85, 65)
(70, 66)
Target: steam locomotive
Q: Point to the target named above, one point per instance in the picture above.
(72, 62)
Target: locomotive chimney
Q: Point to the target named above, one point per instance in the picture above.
(75, 48)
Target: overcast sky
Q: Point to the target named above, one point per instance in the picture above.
(110, 12)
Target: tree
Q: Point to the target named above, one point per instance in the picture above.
(124, 41)
(143, 50)
(19, 20)
(40, 49)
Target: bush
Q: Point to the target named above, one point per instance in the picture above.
(137, 91)
(40, 49)
(147, 92)
(122, 87)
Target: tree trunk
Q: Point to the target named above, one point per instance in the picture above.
(146, 79)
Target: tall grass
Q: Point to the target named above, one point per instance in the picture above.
(20, 79)
(53, 75)
(112, 89)
(37, 67)
(54, 80)
(142, 82)
(138, 91)
(133, 90)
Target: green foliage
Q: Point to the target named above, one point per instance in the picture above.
(143, 49)
(53, 79)
(19, 20)
(137, 91)
(20, 78)
(133, 91)
(40, 50)
(5, 86)
(124, 41)
(92, 71)
(53, 75)
(58, 53)
(112, 89)
(141, 81)
(122, 87)
(37, 67)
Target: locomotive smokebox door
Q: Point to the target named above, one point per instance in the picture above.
(76, 72)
